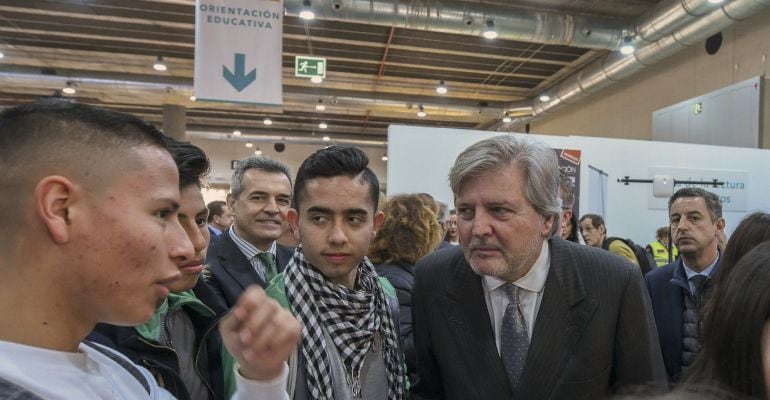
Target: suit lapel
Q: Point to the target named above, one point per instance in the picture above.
(238, 267)
(465, 309)
(563, 316)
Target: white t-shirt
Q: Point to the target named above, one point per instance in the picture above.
(89, 374)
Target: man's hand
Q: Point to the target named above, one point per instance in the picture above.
(260, 334)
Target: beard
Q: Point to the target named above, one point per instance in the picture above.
(510, 266)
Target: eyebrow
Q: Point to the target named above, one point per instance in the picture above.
(173, 204)
(327, 210)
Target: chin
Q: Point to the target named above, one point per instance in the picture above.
(186, 283)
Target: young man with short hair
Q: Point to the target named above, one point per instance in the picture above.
(94, 237)
(350, 347)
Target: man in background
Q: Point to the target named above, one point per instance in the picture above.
(220, 218)
(680, 289)
(247, 253)
(594, 234)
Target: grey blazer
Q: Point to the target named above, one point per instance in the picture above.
(594, 331)
(231, 273)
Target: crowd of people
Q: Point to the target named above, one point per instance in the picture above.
(118, 281)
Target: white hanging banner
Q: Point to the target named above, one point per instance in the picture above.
(238, 51)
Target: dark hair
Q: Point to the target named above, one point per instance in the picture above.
(336, 161)
(596, 220)
(753, 230)
(56, 136)
(191, 161)
(215, 207)
(260, 163)
(712, 201)
(573, 236)
(662, 232)
(731, 352)
(409, 232)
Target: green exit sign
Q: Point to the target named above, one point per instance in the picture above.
(309, 67)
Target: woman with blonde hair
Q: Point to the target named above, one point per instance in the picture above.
(409, 232)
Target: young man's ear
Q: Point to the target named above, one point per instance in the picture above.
(379, 217)
(230, 200)
(293, 217)
(54, 197)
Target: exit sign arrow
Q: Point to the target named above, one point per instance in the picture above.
(239, 80)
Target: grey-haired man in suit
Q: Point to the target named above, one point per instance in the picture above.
(514, 312)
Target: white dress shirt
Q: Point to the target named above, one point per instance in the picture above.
(530, 294)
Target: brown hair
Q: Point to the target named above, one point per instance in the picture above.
(409, 232)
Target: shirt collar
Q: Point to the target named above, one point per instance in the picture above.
(533, 280)
(248, 249)
(215, 230)
(706, 272)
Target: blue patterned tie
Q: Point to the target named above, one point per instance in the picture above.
(514, 339)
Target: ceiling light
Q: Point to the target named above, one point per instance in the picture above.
(384, 157)
(69, 89)
(716, 1)
(306, 12)
(320, 106)
(627, 47)
(544, 97)
(421, 113)
(192, 98)
(506, 117)
(1, 54)
(249, 144)
(489, 30)
(159, 64)
(323, 125)
(316, 79)
(236, 133)
(267, 121)
(441, 88)
(326, 138)
(257, 152)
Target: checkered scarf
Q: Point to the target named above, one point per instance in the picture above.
(351, 317)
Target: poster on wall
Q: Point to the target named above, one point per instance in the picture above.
(569, 164)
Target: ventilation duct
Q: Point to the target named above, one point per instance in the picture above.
(519, 24)
(615, 67)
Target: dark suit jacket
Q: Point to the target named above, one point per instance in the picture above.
(666, 285)
(230, 271)
(594, 330)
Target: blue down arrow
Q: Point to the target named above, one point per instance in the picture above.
(239, 80)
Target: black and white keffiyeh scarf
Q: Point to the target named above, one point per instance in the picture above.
(351, 318)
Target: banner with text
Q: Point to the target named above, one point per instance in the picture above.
(734, 194)
(238, 51)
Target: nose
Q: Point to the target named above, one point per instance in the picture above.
(200, 239)
(271, 206)
(481, 224)
(180, 245)
(337, 234)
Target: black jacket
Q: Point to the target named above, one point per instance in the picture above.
(162, 361)
(231, 273)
